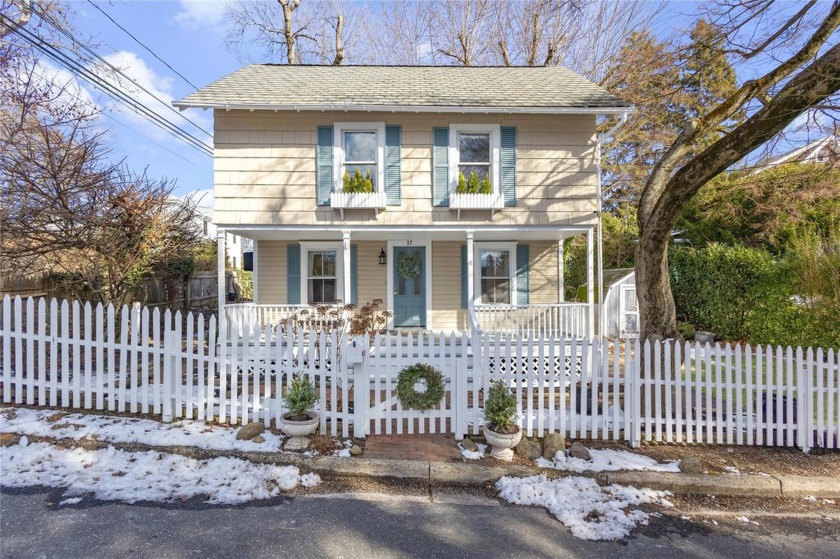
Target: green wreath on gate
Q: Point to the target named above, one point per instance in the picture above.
(412, 398)
(408, 266)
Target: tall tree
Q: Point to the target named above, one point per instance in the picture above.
(669, 85)
(293, 31)
(804, 78)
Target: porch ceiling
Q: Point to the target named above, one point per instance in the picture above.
(398, 233)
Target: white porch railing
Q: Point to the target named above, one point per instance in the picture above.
(571, 320)
(261, 314)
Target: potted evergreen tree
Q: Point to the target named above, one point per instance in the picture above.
(300, 421)
(499, 429)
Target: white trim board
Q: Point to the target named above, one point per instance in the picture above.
(297, 107)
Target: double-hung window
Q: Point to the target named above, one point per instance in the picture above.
(495, 274)
(475, 148)
(359, 146)
(321, 281)
(474, 152)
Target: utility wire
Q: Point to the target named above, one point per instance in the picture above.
(114, 92)
(139, 42)
(52, 23)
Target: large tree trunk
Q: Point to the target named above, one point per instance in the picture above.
(657, 312)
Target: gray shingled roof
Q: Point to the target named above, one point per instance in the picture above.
(429, 88)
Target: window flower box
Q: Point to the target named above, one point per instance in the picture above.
(491, 202)
(358, 200)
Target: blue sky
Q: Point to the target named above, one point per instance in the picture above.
(188, 36)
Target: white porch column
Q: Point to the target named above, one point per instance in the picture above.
(470, 279)
(590, 280)
(221, 245)
(345, 245)
(561, 271)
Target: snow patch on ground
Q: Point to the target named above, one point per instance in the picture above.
(590, 511)
(473, 454)
(607, 460)
(112, 474)
(116, 429)
(344, 451)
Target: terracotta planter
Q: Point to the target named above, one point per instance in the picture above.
(299, 431)
(502, 444)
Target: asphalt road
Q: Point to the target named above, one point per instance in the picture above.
(33, 525)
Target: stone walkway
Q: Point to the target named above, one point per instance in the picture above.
(428, 448)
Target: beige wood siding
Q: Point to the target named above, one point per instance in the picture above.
(447, 313)
(372, 276)
(271, 272)
(542, 272)
(264, 169)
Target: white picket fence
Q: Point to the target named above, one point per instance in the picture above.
(182, 366)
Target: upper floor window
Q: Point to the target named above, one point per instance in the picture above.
(474, 151)
(475, 148)
(359, 146)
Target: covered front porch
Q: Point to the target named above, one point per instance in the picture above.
(439, 278)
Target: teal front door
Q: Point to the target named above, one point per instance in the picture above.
(409, 265)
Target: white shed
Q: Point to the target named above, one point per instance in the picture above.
(620, 303)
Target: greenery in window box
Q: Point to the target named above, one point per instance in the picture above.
(485, 187)
(473, 185)
(357, 183)
(300, 397)
(500, 409)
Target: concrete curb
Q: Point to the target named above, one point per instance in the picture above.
(475, 475)
(701, 484)
(806, 486)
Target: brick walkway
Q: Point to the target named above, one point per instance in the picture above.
(428, 448)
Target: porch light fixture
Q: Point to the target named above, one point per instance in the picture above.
(383, 258)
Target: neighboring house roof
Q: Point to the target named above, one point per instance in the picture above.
(824, 150)
(406, 88)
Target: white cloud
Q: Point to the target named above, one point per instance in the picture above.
(140, 82)
(197, 14)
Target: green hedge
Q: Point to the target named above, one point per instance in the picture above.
(736, 292)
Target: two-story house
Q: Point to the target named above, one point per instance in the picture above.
(446, 192)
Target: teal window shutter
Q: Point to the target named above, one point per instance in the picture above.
(464, 278)
(293, 274)
(393, 139)
(522, 281)
(324, 170)
(354, 274)
(440, 166)
(508, 170)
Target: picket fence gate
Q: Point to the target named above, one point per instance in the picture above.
(177, 365)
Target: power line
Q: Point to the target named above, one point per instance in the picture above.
(158, 144)
(52, 23)
(115, 93)
(139, 42)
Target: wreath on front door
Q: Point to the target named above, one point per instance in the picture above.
(408, 266)
(420, 387)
